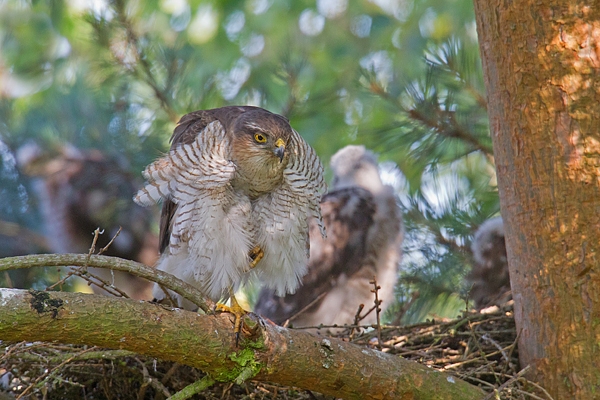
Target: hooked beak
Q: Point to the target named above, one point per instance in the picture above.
(279, 149)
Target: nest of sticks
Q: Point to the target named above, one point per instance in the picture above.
(480, 348)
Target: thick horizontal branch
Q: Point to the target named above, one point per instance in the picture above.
(271, 353)
(118, 264)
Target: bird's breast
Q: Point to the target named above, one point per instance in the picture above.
(257, 182)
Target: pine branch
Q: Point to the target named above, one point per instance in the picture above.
(146, 75)
(452, 130)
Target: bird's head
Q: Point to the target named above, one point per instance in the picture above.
(261, 145)
(356, 166)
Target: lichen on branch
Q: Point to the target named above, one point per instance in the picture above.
(272, 354)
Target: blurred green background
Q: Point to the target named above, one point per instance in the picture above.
(402, 77)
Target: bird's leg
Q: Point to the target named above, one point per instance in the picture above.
(256, 254)
(237, 311)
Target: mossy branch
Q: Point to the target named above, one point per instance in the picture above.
(267, 353)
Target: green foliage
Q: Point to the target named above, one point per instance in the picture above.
(403, 77)
(438, 128)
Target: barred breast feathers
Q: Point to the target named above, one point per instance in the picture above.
(305, 174)
(204, 231)
(284, 216)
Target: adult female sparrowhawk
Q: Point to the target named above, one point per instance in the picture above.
(238, 188)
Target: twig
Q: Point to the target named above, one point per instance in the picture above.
(105, 248)
(52, 372)
(193, 389)
(538, 387)
(309, 305)
(180, 287)
(507, 383)
(170, 373)
(530, 395)
(91, 279)
(377, 308)
(496, 345)
(11, 349)
(148, 380)
(513, 346)
(357, 319)
(95, 280)
(92, 249)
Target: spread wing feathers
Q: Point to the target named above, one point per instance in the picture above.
(284, 217)
(305, 175)
(189, 174)
(348, 215)
(199, 165)
(193, 180)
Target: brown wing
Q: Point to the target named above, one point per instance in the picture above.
(188, 127)
(193, 123)
(347, 215)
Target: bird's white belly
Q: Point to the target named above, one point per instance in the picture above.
(210, 249)
(213, 251)
(283, 237)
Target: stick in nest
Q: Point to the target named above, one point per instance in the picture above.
(376, 308)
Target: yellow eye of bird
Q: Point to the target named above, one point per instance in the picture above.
(260, 138)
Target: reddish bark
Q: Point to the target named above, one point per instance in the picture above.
(541, 64)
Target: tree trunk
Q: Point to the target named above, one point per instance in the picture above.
(541, 64)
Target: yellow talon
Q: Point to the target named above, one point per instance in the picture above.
(256, 254)
(237, 311)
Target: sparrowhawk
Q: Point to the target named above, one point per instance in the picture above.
(238, 188)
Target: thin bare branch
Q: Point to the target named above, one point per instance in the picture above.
(118, 264)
